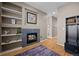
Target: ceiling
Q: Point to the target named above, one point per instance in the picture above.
(47, 7)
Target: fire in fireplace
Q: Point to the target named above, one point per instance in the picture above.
(31, 37)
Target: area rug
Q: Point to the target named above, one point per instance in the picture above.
(39, 51)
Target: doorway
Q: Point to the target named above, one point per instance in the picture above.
(54, 26)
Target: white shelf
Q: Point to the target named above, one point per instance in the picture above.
(71, 23)
(78, 22)
(7, 16)
(11, 42)
(11, 10)
(10, 34)
(11, 25)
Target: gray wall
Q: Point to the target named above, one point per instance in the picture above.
(41, 20)
(71, 9)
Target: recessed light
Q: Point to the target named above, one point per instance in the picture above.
(54, 13)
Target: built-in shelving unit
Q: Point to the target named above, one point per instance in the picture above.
(10, 29)
(72, 35)
(0, 28)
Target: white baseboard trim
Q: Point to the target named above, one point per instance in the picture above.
(8, 51)
(52, 37)
(60, 44)
(43, 40)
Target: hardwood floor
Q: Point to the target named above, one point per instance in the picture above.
(49, 43)
(52, 45)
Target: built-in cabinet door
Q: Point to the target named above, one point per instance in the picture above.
(72, 34)
(78, 34)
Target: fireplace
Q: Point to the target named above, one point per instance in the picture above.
(31, 37)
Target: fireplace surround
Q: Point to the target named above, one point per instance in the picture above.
(29, 36)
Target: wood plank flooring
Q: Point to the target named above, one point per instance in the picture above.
(52, 45)
(49, 43)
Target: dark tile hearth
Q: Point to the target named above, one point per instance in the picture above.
(39, 51)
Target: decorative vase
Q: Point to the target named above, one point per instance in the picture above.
(13, 21)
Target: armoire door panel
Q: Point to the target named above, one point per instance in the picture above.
(72, 34)
(78, 34)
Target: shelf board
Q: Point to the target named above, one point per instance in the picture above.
(10, 34)
(71, 23)
(77, 22)
(7, 16)
(11, 42)
(11, 25)
(11, 10)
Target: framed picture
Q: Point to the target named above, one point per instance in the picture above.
(31, 18)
